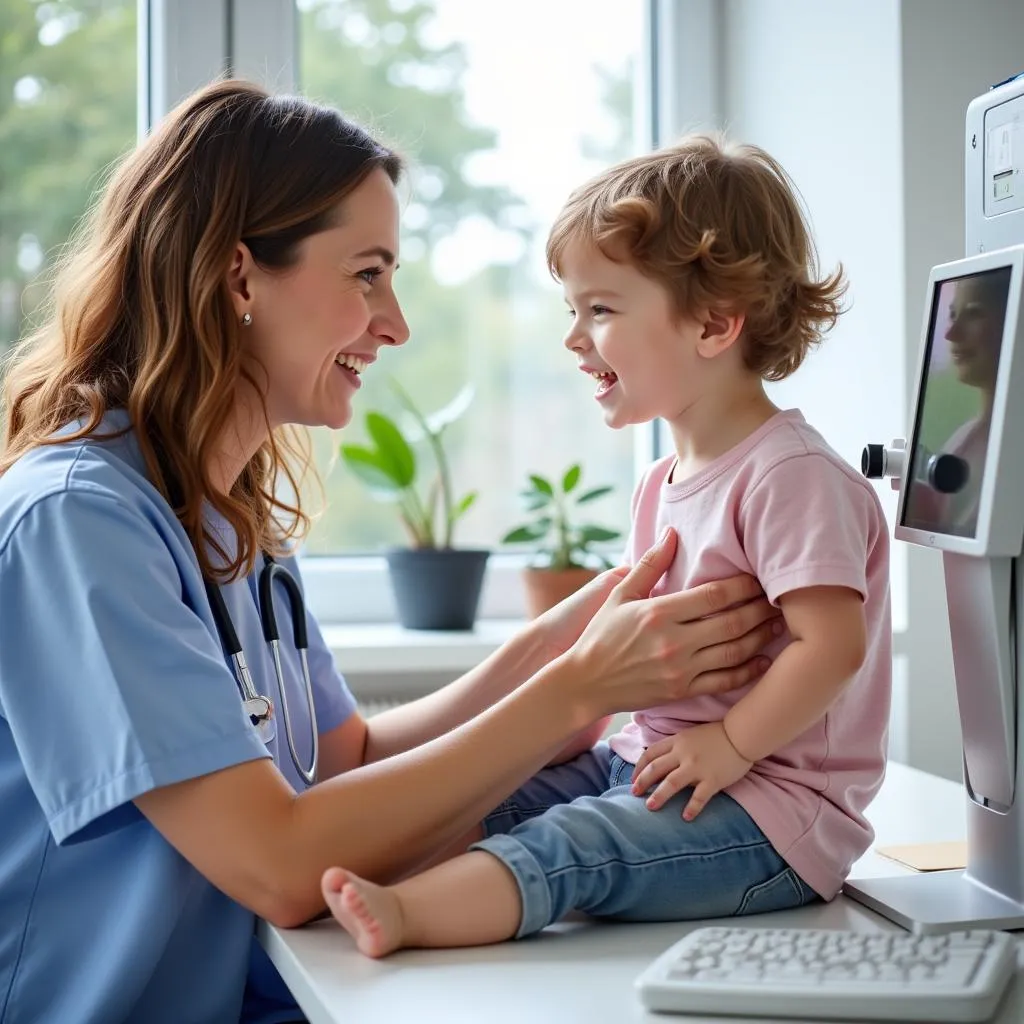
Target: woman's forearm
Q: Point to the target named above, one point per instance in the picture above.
(386, 817)
(582, 741)
(413, 724)
(247, 831)
(794, 693)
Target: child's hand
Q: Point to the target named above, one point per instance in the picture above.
(700, 756)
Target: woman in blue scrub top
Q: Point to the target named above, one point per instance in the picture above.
(239, 255)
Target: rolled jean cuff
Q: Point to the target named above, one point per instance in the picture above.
(534, 894)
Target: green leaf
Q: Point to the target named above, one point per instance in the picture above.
(594, 534)
(593, 495)
(542, 485)
(463, 506)
(534, 500)
(371, 470)
(524, 534)
(392, 448)
(571, 478)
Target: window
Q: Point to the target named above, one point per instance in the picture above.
(67, 111)
(500, 122)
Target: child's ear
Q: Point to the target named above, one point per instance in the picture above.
(720, 331)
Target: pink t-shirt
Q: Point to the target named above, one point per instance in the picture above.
(786, 508)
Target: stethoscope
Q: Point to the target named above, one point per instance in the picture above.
(259, 708)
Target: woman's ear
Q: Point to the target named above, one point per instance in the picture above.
(239, 279)
(720, 332)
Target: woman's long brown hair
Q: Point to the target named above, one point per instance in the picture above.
(140, 317)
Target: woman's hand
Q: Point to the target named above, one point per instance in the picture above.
(560, 627)
(638, 651)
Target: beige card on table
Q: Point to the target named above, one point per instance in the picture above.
(928, 856)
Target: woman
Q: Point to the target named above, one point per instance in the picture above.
(236, 280)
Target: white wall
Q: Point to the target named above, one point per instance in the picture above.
(863, 101)
(795, 80)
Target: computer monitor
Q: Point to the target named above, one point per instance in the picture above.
(963, 489)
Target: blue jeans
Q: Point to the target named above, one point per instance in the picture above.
(575, 838)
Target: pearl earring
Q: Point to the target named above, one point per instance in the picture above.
(246, 319)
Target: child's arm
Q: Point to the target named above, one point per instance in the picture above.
(828, 646)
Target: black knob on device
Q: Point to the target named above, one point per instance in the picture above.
(948, 473)
(872, 461)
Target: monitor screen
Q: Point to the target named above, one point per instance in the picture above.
(954, 409)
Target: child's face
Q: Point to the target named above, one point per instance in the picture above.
(625, 329)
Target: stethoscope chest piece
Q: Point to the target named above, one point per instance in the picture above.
(261, 713)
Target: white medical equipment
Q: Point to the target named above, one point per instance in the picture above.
(969, 410)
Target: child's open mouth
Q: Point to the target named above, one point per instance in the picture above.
(605, 382)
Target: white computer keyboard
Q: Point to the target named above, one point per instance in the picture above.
(823, 974)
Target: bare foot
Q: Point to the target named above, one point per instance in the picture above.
(371, 914)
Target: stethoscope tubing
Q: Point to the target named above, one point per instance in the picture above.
(260, 708)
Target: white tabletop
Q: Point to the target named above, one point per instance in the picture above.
(579, 970)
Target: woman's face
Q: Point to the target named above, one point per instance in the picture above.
(317, 326)
(974, 334)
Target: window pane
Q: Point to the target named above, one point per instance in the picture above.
(501, 121)
(67, 111)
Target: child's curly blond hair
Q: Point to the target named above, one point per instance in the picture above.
(721, 227)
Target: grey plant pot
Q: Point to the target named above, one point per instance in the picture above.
(437, 588)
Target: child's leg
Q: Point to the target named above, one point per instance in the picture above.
(385, 918)
(608, 855)
(586, 774)
(471, 900)
(612, 857)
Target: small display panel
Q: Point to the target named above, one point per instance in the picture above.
(954, 410)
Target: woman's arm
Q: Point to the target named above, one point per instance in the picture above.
(409, 725)
(247, 831)
(359, 741)
(413, 724)
(582, 741)
(252, 836)
(544, 639)
(828, 647)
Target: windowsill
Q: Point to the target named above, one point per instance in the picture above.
(385, 647)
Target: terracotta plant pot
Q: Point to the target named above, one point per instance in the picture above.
(546, 587)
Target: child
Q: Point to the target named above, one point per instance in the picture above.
(691, 279)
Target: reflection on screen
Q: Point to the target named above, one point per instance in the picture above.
(954, 412)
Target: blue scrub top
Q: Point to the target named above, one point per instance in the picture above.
(114, 682)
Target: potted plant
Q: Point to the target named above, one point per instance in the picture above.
(436, 585)
(566, 559)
